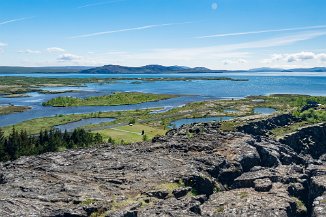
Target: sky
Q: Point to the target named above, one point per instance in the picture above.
(218, 34)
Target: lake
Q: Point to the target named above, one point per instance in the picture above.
(179, 123)
(73, 125)
(192, 91)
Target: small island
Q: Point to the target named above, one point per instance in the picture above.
(4, 110)
(114, 99)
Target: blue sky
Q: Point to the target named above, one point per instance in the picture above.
(219, 34)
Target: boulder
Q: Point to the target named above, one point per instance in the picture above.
(263, 185)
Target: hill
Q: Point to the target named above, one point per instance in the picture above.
(149, 69)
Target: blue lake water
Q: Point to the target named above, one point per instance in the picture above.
(179, 123)
(196, 90)
(73, 125)
(264, 111)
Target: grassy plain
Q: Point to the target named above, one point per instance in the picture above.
(130, 134)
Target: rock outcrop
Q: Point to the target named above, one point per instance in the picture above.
(309, 140)
(196, 170)
(261, 127)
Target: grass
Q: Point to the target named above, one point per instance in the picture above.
(154, 124)
(280, 132)
(119, 98)
(34, 126)
(4, 110)
(130, 134)
(88, 201)
(169, 186)
(243, 194)
(219, 209)
(300, 204)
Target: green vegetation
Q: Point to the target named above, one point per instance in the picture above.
(219, 209)
(88, 201)
(18, 144)
(312, 115)
(243, 194)
(142, 125)
(35, 125)
(300, 205)
(130, 134)
(4, 110)
(307, 117)
(119, 131)
(57, 91)
(118, 98)
(16, 96)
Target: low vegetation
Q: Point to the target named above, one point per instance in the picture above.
(4, 110)
(130, 134)
(119, 98)
(143, 125)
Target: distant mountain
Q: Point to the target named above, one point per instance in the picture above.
(266, 69)
(316, 69)
(54, 69)
(149, 69)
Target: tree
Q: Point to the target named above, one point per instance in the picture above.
(12, 144)
(3, 153)
(98, 139)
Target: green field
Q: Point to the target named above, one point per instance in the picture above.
(158, 121)
(130, 134)
(119, 98)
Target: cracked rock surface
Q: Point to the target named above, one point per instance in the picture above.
(209, 173)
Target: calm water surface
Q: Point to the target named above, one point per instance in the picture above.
(73, 125)
(199, 90)
(179, 123)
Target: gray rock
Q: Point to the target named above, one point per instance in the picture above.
(210, 174)
(319, 206)
(158, 194)
(263, 185)
(248, 202)
(181, 192)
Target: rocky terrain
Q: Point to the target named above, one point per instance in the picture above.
(196, 170)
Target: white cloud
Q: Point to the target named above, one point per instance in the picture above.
(55, 50)
(239, 61)
(100, 3)
(29, 51)
(14, 20)
(263, 31)
(243, 61)
(296, 57)
(209, 56)
(300, 56)
(127, 30)
(322, 56)
(68, 58)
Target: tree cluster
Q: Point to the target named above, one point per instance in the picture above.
(20, 143)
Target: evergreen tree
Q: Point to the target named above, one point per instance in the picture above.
(3, 153)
